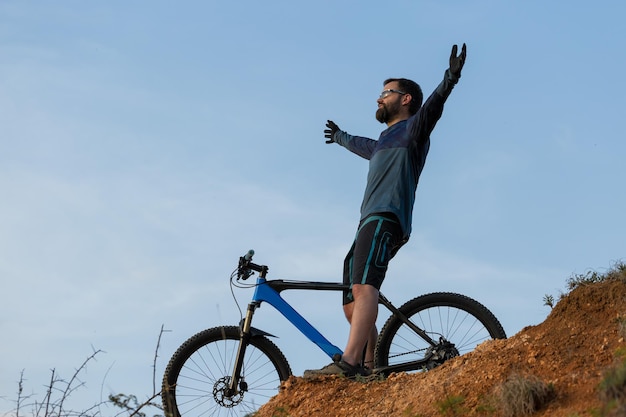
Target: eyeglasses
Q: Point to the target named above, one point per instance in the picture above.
(386, 93)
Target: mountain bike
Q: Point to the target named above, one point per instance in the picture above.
(233, 370)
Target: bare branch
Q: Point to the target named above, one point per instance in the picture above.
(20, 389)
(68, 388)
(156, 355)
(46, 401)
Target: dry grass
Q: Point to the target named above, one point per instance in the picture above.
(522, 395)
(613, 389)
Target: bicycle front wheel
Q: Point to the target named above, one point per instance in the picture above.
(197, 378)
(456, 323)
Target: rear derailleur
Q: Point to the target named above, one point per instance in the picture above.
(440, 353)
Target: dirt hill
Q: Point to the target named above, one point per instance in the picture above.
(566, 356)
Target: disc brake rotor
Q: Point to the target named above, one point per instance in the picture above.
(221, 393)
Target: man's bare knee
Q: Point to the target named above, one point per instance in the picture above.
(364, 290)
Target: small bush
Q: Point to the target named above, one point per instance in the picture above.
(617, 272)
(588, 278)
(409, 412)
(452, 406)
(613, 390)
(548, 300)
(522, 395)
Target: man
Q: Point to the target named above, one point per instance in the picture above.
(396, 162)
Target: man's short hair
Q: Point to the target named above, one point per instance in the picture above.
(412, 88)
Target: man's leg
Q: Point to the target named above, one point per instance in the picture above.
(378, 237)
(365, 268)
(361, 314)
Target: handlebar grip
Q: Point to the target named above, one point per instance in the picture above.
(244, 271)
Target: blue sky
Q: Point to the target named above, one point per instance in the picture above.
(144, 146)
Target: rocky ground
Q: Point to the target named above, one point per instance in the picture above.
(568, 355)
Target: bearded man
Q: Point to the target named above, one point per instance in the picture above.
(396, 161)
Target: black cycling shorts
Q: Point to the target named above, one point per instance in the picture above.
(377, 240)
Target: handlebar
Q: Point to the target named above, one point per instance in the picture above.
(246, 266)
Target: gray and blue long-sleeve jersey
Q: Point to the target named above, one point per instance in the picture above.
(397, 158)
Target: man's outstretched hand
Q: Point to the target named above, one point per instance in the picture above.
(456, 62)
(330, 131)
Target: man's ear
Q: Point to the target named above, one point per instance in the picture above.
(406, 99)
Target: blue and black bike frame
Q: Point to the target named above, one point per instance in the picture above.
(269, 291)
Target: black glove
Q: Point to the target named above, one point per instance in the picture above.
(329, 133)
(456, 62)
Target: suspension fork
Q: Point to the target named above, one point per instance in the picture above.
(244, 339)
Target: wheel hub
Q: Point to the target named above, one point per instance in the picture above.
(223, 394)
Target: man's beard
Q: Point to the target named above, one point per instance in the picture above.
(384, 113)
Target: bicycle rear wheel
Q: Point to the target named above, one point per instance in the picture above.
(455, 322)
(197, 377)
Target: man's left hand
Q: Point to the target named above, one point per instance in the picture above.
(456, 62)
(329, 132)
